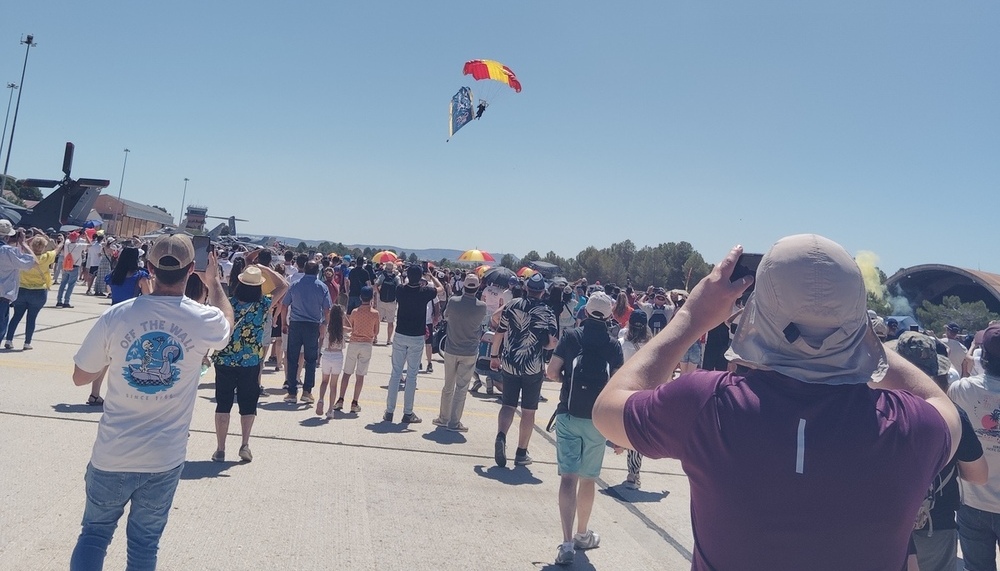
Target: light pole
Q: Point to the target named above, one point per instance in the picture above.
(11, 87)
(180, 217)
(30, 41)
(118, 217)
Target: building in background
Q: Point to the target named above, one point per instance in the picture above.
(129, 218)
(194, 219)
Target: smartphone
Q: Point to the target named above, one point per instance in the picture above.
(202, 245)
(746, 265)
(423, 265)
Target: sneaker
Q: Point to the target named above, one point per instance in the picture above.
(458, 428)
(59, 304)
(339, 405)
(402, 386)
(27, 346)
(8, 345)
(587, 540)
(355, 407)
(262, 392)
(500, 450)
(476, 385)
(291, 398)
(219, 456)
(307, 397)
(430, 368)
(411, 418)
(565, 554)
(272, 360)
(387, 417)
(245, 454)
(633, 482)
(438, 422)
(330, 414)
(520, 460)
(67, 306)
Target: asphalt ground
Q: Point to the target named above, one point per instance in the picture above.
(347, 493)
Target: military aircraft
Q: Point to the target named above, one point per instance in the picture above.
(66, 207)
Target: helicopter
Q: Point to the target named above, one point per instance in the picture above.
(65, 208)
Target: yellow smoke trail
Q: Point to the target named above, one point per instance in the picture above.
(868, 262)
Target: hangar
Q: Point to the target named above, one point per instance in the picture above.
(932, 282)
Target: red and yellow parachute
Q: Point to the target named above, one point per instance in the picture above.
(488, 69)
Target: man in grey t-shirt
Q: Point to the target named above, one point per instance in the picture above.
(465, 315)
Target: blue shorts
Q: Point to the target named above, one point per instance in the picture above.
(579, 446)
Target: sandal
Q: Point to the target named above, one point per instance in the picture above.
(95, 401)
(319, 407)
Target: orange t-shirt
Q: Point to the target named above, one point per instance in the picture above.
(364, 324)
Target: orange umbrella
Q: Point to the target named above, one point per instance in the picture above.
(476, 256)
(525, 272)
(481, 270)
(385, 256)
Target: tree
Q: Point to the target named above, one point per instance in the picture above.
(25, 192)
(531, 256)
(402, 256)
(160, 208)
(508, 261)
(443, 262)
(970, 316)
(413, 259)
(302, 247)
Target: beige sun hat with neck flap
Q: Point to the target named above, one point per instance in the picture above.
(807, 317)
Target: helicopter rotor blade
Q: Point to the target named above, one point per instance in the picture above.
(93, 182)
(68, 158)
(40, 182)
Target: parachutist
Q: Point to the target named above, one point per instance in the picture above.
(481, 108)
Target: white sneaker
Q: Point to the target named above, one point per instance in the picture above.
(565, 554)
(587, 540)
(27, 346)
(330, 414)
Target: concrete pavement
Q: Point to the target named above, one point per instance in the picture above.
(348, 493)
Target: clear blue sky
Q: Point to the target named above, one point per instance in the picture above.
(874, 123)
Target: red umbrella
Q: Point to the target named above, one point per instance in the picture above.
(476, 256)
(385, 256)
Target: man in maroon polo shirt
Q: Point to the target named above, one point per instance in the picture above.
(794, 461)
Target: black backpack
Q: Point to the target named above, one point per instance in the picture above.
(387, 290)
(588, 376)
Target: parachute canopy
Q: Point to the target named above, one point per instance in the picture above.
(488, 69)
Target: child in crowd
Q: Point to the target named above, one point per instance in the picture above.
(632, 339)
(332, 360)
(364, 330)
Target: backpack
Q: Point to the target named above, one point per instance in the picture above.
(588, 376)
(933, 491)
(387, 288)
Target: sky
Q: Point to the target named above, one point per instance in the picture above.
(875, 124)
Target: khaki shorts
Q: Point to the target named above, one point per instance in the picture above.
(387, 311)
(356, 358)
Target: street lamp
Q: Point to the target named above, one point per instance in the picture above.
(118, 217)
(11, 87)
(30, 42)
(180, 217)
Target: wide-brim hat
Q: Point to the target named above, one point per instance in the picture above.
(252, 276)
(807, 317)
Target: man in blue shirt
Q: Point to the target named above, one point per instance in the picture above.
(309, 305)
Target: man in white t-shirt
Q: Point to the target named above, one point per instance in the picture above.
(151, 348)
(956, 351)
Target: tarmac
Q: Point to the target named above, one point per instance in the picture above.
(347, 493)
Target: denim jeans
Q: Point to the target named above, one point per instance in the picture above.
(67, 284)
(151, 496)
(406, 349)
(4, 315)
(30, 301)
(302, 336)
(978, 532)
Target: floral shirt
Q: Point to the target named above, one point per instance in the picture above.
(529, 324)
(246, 346)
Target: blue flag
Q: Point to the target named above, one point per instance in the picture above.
(460, 111)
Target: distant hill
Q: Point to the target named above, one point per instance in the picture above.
(432, 254)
